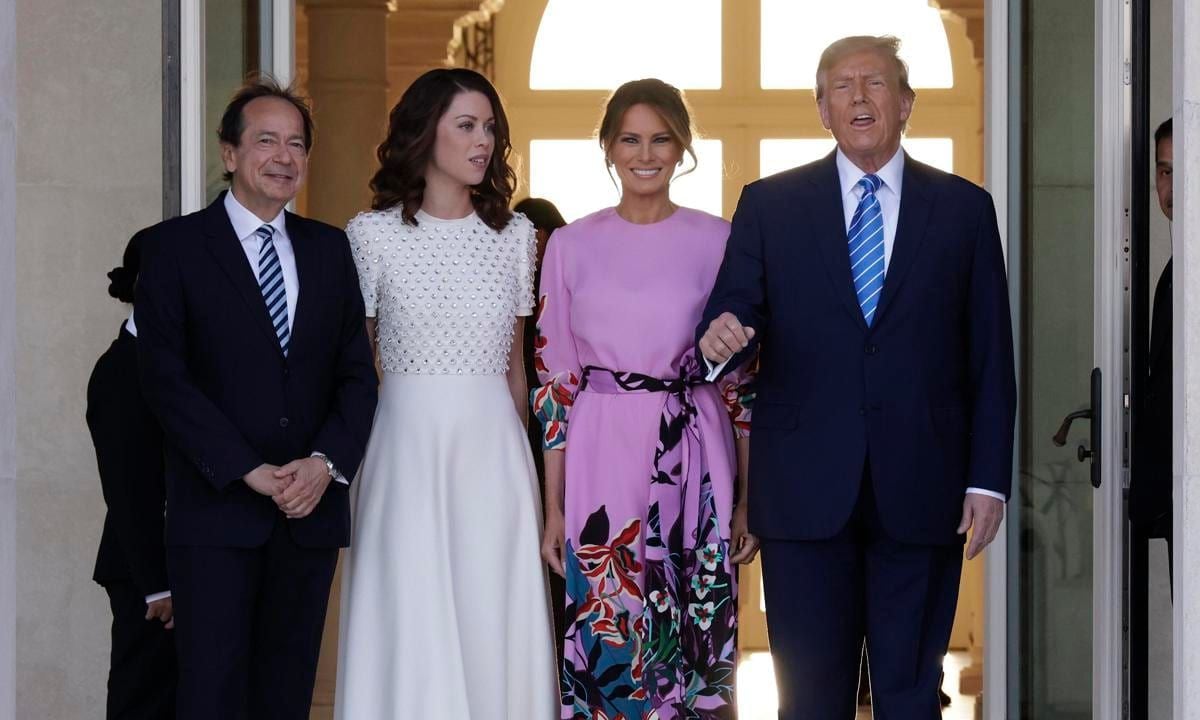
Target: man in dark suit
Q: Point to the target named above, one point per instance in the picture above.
(131, 564)
(883, 428)
(254, 357)
(1150, 493)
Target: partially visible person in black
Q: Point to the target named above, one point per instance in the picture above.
(1150, 494)
(131, 564)
(546, 219)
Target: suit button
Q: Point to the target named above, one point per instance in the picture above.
(872, 349)
(283, 422)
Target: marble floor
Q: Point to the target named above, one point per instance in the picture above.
(756, 689)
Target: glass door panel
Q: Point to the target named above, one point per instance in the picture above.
(1050, 538)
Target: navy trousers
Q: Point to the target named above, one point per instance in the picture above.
(825, 598)
(248, 625)
(141, 676)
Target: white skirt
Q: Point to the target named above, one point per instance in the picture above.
(444, 611)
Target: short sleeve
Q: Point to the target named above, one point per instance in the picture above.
(365, 247)
(527, 266)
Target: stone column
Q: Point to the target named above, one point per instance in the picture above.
(1186, 111)
(347, 80)
(8, 456)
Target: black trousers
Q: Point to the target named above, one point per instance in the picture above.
(141, 674)
(825, 598)
(248, 625)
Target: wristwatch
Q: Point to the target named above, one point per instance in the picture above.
(333, 473)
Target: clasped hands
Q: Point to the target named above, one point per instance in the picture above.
(296, 487)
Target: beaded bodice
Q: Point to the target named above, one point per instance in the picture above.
(445, 293)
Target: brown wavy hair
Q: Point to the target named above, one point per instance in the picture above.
(412, 132)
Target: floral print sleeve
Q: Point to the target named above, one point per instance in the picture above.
(737, 389)
(555, 356)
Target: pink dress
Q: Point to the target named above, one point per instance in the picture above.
(650, 466)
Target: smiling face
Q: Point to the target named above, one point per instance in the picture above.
(865, 108)
(465, 141)
(644, 152)
(270, 161)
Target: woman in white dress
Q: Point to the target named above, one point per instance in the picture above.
(444, 602)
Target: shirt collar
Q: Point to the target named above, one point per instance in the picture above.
(245, 222)
(130, 326)
(892, 173)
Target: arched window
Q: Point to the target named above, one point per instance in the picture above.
(794, 32)
(747, 67)
(599, 45)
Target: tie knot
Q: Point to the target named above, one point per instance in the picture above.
(870, 184)
(265, 232)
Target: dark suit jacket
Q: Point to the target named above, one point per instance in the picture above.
(227, 397)
(926, 395)
(1151, 490)
(129, 454)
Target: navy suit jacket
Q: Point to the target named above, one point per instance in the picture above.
(926, 395)
(227, 397)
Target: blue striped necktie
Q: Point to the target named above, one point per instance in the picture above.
(270, 282)
(866, 247)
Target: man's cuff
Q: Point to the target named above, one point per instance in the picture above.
(713, 372)
(158, 596)
(989, 493)
(336, 475)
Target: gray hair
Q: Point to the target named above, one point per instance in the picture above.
(886, 45)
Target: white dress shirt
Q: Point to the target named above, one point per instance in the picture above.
(245, 226)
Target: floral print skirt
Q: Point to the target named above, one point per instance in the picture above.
(651, 596)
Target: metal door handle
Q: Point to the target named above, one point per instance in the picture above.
(1091, 414)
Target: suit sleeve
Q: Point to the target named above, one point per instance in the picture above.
(990, 362)
(343, 435)
(740, 286)
(129, 457)
(190, 420)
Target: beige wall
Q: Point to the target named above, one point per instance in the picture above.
(89, 168)
(8, 426)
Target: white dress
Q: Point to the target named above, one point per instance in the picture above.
(444, 608)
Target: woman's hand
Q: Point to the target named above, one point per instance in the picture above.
(554, 545)
(744, 545)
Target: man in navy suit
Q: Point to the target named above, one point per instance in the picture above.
(254, 357)
(874, 287)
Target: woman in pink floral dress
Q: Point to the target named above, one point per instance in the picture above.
(640, 490)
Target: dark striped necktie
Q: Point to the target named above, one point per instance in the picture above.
(270, 282)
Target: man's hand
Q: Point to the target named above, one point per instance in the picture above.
(725, 337)
(163, 610)
(984, 513)
(310, 477)
(264, 480)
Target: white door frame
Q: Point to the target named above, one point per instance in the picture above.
(280, 45)
(1112, 101)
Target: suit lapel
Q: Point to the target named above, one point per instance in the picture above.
(224, 245)
(916, 202)
(829, 226)
(309, 276)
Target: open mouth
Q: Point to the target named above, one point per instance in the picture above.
(480, 161)
(862, 120)
(645, 172)
(280, 177)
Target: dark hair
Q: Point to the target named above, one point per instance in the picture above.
(541, 212)
(123, 278)
(260, 86)
(412, 133)
(1162, 133)
(666, 100)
